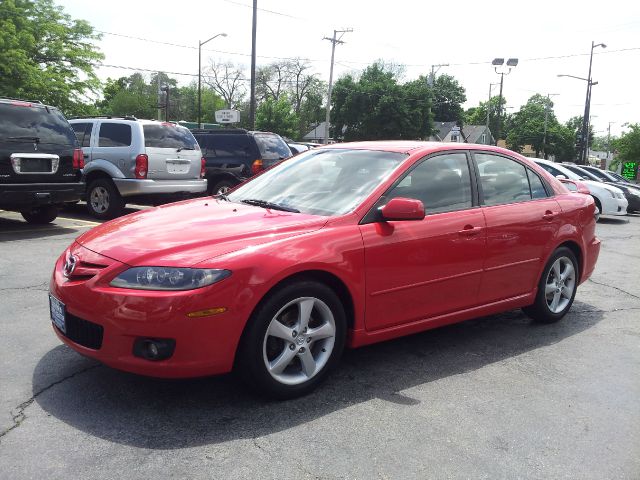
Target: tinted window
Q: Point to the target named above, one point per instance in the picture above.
(537, 187)
(553, 171)
(583, 174)
(83, 133)
(442, 183)
(503, 180)
(168, 136)
(114, 135)
(598, 173)
(19, 123)
(272, 147)
(236, 146)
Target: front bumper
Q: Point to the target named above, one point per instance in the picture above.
(22, 196)
(614, 206)
(129, 187)
(203, 346)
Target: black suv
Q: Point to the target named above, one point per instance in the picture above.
(40, 162)
(233, 155)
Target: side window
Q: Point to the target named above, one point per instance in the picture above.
(114, 135)
(442, 183)
(551, 170)
(503, 180)
(83, 133)
(234, 146)
(537, 187)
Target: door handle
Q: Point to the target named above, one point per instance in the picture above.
(549, 215)
(469, 231)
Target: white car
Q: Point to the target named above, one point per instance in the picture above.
(610, 200)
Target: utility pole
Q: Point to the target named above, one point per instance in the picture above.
(159, 97)
(491, 85)
(608, 142)
(431, 80)
(498, 62)
(252, 101)
(584, 152)
(546, 119)
(333, 41)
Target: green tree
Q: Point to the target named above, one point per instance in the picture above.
(46, 55)
(628, 145)
(527, 126)
(277, 116)
(448, 97)
(376, 106)
(478, 115)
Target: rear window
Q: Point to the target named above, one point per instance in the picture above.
(168, 136)
(272, 147)
(19, 123)
(220, 145)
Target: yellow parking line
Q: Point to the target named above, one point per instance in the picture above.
(87, 222)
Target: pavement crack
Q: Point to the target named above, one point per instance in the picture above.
(20, 415)
(615, 288)
(40, 287)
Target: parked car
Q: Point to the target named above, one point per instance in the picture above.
(233, 155)
(630, 190)
(622, 179)
(40, 162)
(348, 244)
(609, 200)
(140, 161)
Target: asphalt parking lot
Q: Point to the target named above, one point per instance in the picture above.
(496, 397)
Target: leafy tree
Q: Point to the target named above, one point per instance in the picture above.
(227, 80)
(376, 106)
(478, 115)
(47, 55)
(628, 145)
(277, 116)
(448, 97)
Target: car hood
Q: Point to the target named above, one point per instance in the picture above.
(190, 232)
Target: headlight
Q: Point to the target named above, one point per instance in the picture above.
(634, 192)
(167, 278)
(612, 193)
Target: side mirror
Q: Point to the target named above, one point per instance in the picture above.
(575, 186)
(402, 209)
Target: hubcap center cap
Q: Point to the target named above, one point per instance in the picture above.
(301, 339)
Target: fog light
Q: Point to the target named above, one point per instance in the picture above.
(154, 348)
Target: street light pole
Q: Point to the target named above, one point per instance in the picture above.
(333, 41)
(512, 62)
(582, 160)
(546, 119)
(491, 85)
(200, 44)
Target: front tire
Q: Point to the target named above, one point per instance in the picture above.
(40, 215)
(293, 340)
(103, 199)
(556, 288)
(221, 187)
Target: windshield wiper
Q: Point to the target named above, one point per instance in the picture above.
(184, 148)
(265, 204)
(33, 139)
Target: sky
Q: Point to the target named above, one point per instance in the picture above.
(548, 37)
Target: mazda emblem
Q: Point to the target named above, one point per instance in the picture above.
(70, 265)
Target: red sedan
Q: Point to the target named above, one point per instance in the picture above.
(348, 244)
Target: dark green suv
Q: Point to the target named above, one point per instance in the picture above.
(40, 162)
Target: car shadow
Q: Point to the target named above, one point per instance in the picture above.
(613, 220)
(168, 414)
(79, 211)
(16, 229)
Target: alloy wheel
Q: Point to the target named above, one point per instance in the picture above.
(99, 199)
(560, 285)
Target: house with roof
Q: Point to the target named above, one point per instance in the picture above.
(451, 132)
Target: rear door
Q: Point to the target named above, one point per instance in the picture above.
(173, 152)
(114, 143)
(522, 220)
(36, 144)
(228, 153)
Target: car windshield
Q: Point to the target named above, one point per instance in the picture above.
(598, 173)
(587, 175)
(321, 182)
(167, 135)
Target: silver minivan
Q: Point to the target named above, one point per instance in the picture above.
(128, 160)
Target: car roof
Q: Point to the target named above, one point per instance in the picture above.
(415, 146)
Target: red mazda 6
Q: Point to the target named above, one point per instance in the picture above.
(349, 244)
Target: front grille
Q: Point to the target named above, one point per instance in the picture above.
(83, 332)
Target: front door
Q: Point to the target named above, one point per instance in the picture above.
(421, 269)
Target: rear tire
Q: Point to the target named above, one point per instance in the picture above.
(104, 200)
(292, 340)
(557, 287)
(40, 215)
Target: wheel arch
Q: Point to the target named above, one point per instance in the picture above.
(325, 277)
(577, 251)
